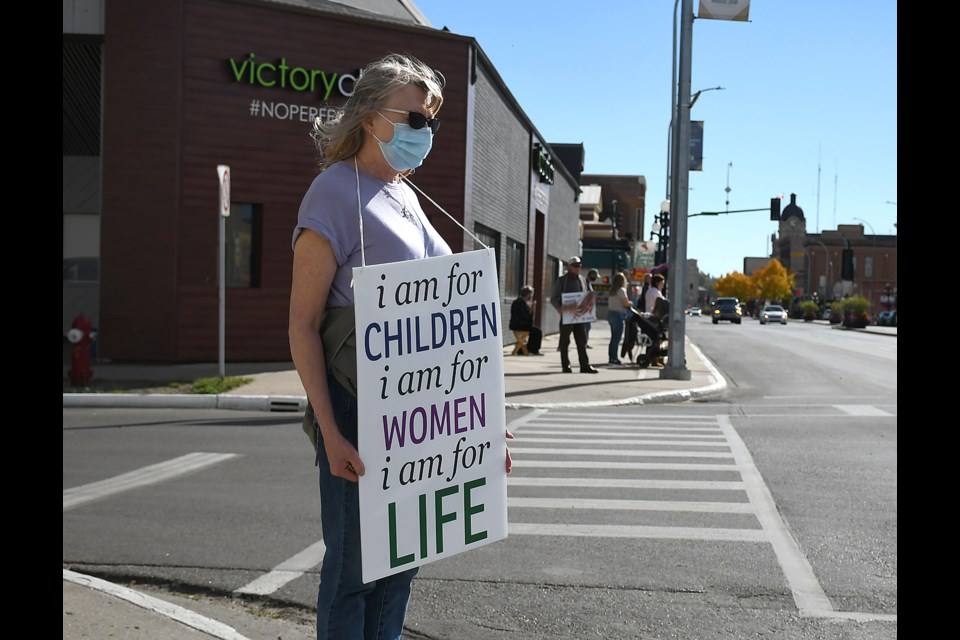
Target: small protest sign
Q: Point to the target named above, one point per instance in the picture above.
(572, 309)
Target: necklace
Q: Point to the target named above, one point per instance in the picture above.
(407, 214)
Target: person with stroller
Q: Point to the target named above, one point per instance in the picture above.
(652, 325)
(655, 291)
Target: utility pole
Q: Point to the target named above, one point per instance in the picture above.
(676, 368)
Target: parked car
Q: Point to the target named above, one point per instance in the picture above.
(884, 318)
(727, 309)
(773, 313)
(693, 311)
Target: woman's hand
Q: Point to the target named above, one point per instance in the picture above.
(509, 459)
(342, 456)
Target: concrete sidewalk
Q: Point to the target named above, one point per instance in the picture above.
(530, 382)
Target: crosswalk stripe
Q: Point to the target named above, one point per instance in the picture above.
(631, 453)
(619, 428)
(632, 417)
(636, 531)
(152, 474)
(619, 434)
(672, 443)
(286, 571)
(862, 410)
(622, 483)
(630, 505)
(603, 464)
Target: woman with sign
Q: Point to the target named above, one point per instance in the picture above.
(357, 211)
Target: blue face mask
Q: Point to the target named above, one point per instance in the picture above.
(408, 147)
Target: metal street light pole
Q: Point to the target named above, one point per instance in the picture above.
(613, 241)
(676, 368)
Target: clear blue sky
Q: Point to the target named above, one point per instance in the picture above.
(809, 106)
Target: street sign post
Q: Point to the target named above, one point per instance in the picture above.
(223, 212)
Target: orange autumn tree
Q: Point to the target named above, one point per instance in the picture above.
(773, 282)
(735, 285)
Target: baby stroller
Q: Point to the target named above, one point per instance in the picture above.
(647, 333)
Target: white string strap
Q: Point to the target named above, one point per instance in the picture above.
(433, 202)
(363, 257)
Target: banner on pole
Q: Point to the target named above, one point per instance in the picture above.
(738, 10)
(696, 145)
(223, 173)
(432, 422)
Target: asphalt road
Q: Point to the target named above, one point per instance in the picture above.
(770, 512)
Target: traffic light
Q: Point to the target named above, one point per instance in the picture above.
(846, 269)
(617, 219)
(621, 261)
(775, 209)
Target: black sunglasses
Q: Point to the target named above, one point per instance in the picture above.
(417, 120)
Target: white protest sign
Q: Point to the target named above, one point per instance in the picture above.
(432, 421)
(570, 310)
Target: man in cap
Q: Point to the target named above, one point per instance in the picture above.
(573, 281)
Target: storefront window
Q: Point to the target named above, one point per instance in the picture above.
(514, 269)
(490, 238)
(243, 245)
(551, 274)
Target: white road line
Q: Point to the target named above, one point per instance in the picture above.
(637, 440)
(861, 410)
(527, 417)
(630, 505)
(807, 592)
(821, 397)
(621, 483)
(619, 428)
(141, 477)
(630, 419)
(620, 434)
(286, 571)
(602, 464)
(160, 607)
(630, 453)
(630, 531)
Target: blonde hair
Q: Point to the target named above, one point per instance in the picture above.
(343, 136)
(619, 280)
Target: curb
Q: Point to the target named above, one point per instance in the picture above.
(187, 401)
(717, 387)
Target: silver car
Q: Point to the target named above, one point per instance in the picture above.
(773, 313)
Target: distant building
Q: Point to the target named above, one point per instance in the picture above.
(157, 94)
(752, 264)
(837, 262)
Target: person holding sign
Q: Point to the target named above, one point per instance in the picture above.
(384, 132)
(575, 310)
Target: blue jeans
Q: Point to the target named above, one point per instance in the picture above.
(616, 320)
(348, 608)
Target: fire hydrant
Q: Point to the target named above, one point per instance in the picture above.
(81, 334)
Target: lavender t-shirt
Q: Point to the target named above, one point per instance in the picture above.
(394, 226)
